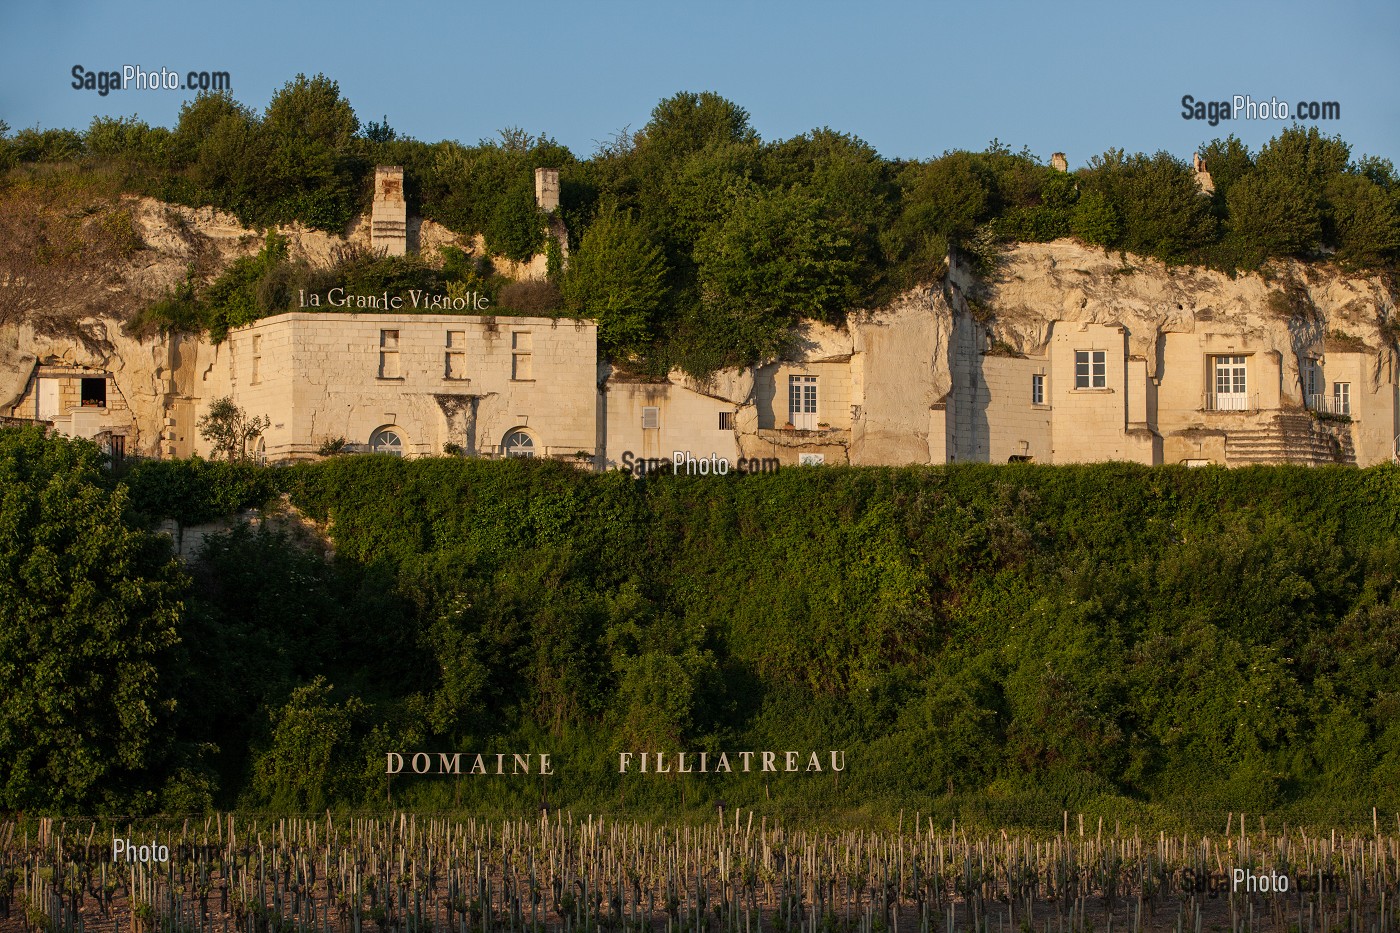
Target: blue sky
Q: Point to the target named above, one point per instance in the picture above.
(913, 79)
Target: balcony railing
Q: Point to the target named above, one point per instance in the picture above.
(1330, 405)
(1234, 401)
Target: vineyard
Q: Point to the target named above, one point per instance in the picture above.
(569, 873)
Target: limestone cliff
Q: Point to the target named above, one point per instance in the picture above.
(1292, 308)
(888, 374)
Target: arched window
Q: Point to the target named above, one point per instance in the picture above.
(519, 444)
(386, 441)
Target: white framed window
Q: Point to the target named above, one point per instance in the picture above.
(1312, 376)
(802, 402)
(1037, 388)
(1091, 369)
(651, 417)
(1231, 384)
(1341, 398)
(387, 440)
(518, 444)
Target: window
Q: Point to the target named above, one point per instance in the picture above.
(521, 368)
(726, 421)
(455, 363)
(811, 459)
(1231, 384)
(1090, 369)
(257, 359)
(1312, 379)
(389, 355)
(386, 441)
(116, 448)
(1341, 398)
(802, 402)
(519, 444)
(94, 393)
(1038, 389)
(651, 418)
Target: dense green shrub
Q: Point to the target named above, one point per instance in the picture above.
(1092, 636)
(982, 642)
(90, 613)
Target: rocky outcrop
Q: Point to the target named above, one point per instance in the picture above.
(900, 371)
(140, 368)
(1290, 308)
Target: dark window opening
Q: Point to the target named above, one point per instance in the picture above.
(94, 393)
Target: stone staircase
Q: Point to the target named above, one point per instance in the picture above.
(1292, 438)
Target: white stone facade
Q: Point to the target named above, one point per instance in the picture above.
(411, 384)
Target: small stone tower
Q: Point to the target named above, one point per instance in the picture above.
(1059, 163)
(547, 189)
(388, 229)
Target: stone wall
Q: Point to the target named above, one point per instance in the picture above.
(432, 379)
(653, 420)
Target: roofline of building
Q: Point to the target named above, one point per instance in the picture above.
(403, 317)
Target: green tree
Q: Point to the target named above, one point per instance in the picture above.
(311, 109)
(1273, 215)
(129, 138)
(688, 122)
(1306, 156)
(89, 609)
(855, 187)
(950, 195)
(659, 696)
(778, 257)
(229, 429)
(1161, 208)
(618, 276)
(313, 753)
(1365, 219)
(515, 229)
(1095, 221)
(1228, 160)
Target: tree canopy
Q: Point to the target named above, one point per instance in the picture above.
(90, 609)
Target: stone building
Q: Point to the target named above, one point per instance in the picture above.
(79, 401)
(1208, 398)
(411, 384)
(649, 421)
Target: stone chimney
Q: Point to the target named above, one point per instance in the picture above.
(1204, 182)
(388, 227)
(547, 189)
(1059, 163)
